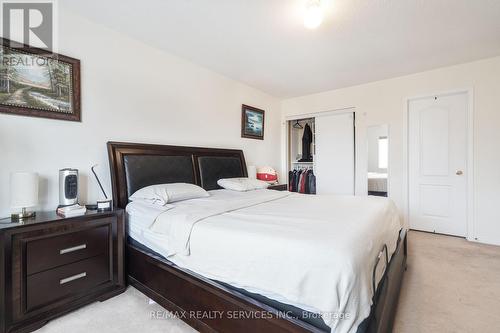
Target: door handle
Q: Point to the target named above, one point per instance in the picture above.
(459, 172)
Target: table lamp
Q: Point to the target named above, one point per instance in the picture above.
(23, 194)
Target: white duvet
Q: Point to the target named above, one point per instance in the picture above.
(313, 252)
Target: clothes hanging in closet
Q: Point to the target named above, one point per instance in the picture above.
(290, 181)
(302, 181)
(306, 183)
(307, 138)
(312, 183)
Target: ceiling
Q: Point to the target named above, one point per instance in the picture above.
(264, 44)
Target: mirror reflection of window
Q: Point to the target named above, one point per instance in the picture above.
(383, 152)
(378, 159)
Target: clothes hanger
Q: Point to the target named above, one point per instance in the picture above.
(297, 125)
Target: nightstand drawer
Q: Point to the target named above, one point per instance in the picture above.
(64, 281)
(51, 252)
(278, 187)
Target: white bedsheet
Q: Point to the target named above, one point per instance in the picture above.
(313, 252)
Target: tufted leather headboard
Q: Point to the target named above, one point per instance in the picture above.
(136, 165)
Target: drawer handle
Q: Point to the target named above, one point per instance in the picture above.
(73, 249)
(73, 278)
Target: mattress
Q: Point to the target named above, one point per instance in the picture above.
(254, 240)
(377, 182)
(287, 309)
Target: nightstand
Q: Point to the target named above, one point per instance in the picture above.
(51, 265)
(278, 187)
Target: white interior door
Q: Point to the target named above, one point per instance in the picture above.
(334, 159)
(437, 164)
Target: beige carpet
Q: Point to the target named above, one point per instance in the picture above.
(129, 312)
(451, 286)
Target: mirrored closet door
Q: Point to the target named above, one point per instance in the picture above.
(378, 159)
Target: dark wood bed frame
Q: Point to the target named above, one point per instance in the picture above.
(189, 295)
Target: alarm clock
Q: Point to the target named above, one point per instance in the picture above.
(68, 187)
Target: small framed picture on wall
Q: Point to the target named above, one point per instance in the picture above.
(252, 122)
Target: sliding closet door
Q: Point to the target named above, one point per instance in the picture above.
(334, 164)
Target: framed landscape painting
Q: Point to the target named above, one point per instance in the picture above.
(252, 122)
(36, 83)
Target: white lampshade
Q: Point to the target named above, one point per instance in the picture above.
(252, 171)
(23, 189)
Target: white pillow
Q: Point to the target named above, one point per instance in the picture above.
(242, 184)
(165, 193)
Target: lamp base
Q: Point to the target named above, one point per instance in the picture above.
(24, 214)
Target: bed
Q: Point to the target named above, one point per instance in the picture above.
(377, 183)
(189, 284)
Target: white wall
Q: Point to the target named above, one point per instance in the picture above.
(130, 92)
(385, 102)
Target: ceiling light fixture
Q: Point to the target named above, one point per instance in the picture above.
(313, 15)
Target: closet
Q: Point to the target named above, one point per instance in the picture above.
(322, 146)
(301, 152)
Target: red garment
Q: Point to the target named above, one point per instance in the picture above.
(299, 181)
(303, 182)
